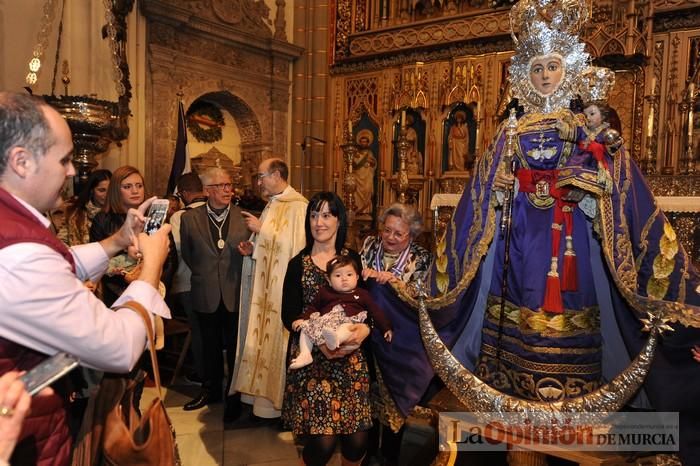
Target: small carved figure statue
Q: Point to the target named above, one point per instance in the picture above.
(458, 142)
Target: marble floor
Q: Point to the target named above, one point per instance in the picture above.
(203, 441)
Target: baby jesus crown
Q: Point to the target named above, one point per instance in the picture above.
(596, 84)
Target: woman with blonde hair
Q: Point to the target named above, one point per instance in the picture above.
(126, 191)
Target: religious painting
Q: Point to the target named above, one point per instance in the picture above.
(459, 138)
(365, 165)
(415, 134)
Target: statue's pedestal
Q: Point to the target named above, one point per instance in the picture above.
(521, 452)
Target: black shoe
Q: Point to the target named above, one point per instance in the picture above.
(233, 408)
(200, 401)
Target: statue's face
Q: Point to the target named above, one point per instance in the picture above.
(546, 73)
(593, 116)
(364, 142)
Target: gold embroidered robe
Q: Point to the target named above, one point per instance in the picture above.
(262, 339)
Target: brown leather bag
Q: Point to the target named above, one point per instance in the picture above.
(112, 432)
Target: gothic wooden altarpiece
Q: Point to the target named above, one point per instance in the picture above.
(432, 62)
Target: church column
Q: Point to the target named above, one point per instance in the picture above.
(309, 107)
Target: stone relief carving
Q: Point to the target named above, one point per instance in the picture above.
(230, 12)
(252, 126)
(280, 22)
(201, 7)
(280, 69)
(279, 99)
(248, 15)
(221, 49)
(194, 46)
(260, 114)
(215, 52)
(246, 120)
(213, 158)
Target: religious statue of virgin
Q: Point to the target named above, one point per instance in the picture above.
(544, 311)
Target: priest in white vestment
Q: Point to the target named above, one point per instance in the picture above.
(278, 235)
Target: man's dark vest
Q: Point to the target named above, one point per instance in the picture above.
(45, 438)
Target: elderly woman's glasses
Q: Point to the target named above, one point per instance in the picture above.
(399, 235)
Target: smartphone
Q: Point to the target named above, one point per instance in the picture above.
(48, 371)
(156, 215)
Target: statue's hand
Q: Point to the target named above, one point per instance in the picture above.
(502, 181)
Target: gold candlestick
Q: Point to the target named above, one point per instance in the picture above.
(649, 161)
(349, 182)
(404, 145)
(688, 105)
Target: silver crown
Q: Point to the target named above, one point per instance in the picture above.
(527, 17)
(548, 27)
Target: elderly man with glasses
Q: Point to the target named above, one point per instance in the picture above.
(278, 235)
(209, 238)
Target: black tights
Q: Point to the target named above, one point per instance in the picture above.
(320, 448)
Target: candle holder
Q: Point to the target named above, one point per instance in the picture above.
(687, 162)
(477, 145)
(380, 197)
(402, 185)
(349, 149)
(648, 163)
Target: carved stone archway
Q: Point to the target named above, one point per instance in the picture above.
(193, 52)
(253, 149)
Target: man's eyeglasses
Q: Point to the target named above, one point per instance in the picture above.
(224, 186)
(260, 176)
